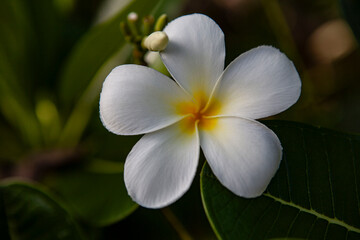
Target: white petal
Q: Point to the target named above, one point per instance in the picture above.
(243, 154)
(195, 53)
(161, 166)
(137, 99)
(259, 83)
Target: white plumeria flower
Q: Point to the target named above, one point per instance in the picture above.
(205, 106)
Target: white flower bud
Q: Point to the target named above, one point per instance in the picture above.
(157, 41)
(133, 16)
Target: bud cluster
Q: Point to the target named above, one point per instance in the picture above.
(136, 32)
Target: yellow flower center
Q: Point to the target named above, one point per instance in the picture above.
(198, 113)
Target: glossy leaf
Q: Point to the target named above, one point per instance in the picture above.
(314, 195)
(97, 198)
(351, 9)
(28, 212)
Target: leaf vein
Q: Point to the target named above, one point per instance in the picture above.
(312, 212)
(287, 177)
(354, 168)
(329, 175)
(277, 217)
(311, 228)
(326, 231)
(292, 223)
(239, 216)
(306, 168)
(259, 219)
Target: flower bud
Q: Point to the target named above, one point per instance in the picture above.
(124, 28)
(161, 22)
(132, 20)
(148, 23)
(133, 17)
(157, 41)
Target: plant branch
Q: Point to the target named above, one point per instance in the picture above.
(176, 224)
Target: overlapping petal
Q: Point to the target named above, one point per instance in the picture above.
(259, 83)
(195, 53)
(137, 99)
(161, 166)
(243, 154)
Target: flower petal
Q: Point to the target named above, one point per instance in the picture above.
(195, 53)
(259, 83)
(161, 166)
(243, 154)
(137, 99)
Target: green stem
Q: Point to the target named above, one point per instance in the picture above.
(176, 224)
(281, 29)
(279, 26)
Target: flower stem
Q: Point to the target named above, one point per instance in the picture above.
(176, 224)
(282, 31)
(280, 27)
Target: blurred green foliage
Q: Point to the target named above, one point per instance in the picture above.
(54, 56)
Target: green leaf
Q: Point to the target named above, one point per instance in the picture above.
(314, 195)
(15, 71)
(96, 48)
(97, 53)
(351, 10)
(97, 198)
(29, 212)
